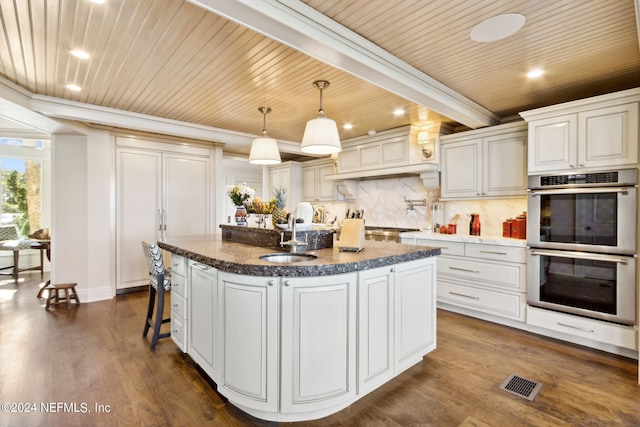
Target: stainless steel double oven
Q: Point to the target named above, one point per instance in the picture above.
(581, 233)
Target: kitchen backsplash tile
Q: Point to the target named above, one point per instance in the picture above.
(384, 206)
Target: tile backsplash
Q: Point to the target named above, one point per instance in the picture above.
(383, 201)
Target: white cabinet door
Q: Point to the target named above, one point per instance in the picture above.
(375, 328)
(249, 340)
(504, 170)
(608, 136)
(326, 188)
(186, 195)
(289, 176)
(159, 195)
(415, 311)
(139, 201)
(318, 356)
(310, 183)
(203, 302)
(553, 143)
(462, 169)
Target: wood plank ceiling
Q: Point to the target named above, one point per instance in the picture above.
(173, 59)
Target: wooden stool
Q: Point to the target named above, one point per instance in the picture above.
(69, 294)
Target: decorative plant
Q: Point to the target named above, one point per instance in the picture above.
(240, 193)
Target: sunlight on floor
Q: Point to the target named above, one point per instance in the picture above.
(7, 294)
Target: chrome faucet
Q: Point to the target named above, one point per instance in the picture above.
(294, 243)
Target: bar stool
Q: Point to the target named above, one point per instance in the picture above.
(157, 275)
(54, 294)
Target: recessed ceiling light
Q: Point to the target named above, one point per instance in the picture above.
(497, 27)
(80, 54)
(347, 126)
(398, 112)
(535, 73)
(73, 87)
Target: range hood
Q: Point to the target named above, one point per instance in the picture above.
(407, 150)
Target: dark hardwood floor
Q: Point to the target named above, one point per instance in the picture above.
(93, 354)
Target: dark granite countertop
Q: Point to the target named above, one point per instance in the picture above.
(245, 259)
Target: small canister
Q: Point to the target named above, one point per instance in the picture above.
(506, 227)
(519, 227)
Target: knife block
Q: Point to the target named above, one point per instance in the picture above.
(352, 235)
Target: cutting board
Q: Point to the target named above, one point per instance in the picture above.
(352, 235)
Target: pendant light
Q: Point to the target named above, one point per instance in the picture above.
(264, 150)
(321, 134)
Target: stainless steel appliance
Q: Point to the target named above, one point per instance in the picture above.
(594, 285)
(582, 232)
(589, 212)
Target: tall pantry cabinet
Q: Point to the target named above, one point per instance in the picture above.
(162, 190)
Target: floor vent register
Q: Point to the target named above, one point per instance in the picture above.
(521, 386)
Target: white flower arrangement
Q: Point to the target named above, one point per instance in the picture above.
(240, 193)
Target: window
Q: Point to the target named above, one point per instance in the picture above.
(22, 165)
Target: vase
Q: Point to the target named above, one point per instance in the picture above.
(241, 215)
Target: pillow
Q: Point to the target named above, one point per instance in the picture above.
(41, 234)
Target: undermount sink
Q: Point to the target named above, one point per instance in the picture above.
(287, 257)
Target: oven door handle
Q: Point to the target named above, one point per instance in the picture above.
(580, 255)
(591, 190)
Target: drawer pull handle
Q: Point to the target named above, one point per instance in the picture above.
(463, 295)
(493, 252)
(576, 327)
(175, 305)
(287, 282)
(464, 269)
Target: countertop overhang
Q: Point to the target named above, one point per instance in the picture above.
(245, 259)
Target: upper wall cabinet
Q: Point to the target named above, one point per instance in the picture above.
(593, 133)
(315, 186)
(390, 152)
(489, 162)
(287, 175)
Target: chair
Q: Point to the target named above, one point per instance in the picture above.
(10, 241)
(159, 282)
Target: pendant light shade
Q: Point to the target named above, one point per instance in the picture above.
(264, 150)
(321, 134)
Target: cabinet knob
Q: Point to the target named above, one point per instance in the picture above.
(392, 269)
(287, 282)
(581, 164)
(271, 282)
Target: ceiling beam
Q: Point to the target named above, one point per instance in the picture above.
(301, 27)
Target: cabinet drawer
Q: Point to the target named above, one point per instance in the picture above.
(178, 285)
(178, 331)
(178, 264)
(484, 273)
(501, 304)
(496, 252)
(178, 306)
(447, 248)
(609, 333)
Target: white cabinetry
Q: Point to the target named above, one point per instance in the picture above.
(482, 277)
(203, 303)
(289, 176)
(489, 162)
(594, 133)
(159, 194)
(315, 186)
(248, 341)
(318, 355)
(179, 298)
(395, 304)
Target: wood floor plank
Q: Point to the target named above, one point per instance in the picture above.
(95, 354)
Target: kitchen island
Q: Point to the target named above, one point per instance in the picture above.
(293, 341)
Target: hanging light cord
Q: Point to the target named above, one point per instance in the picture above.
(264, 111)
(321, 84)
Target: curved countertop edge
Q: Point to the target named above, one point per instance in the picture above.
(490, 240)
(326, 263)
